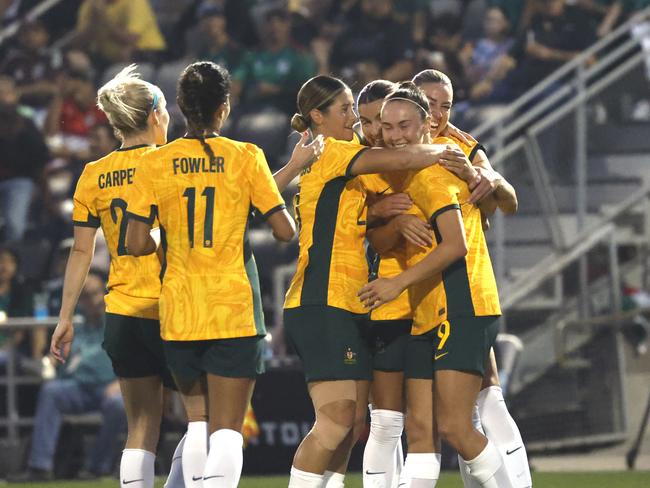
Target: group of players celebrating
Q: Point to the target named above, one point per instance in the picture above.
(408, 325)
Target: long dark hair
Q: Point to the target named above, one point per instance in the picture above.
(202, 88)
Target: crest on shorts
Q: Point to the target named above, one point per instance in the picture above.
(350, 356)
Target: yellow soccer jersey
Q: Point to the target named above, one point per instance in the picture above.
(203, 207)
(391, 263)
(329, 207)
(467, 287)
(100, 199)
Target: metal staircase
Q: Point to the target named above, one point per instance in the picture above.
(583, 227)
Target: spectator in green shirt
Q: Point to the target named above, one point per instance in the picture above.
(273, 74)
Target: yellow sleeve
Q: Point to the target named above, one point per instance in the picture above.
(265, 195)
(141, 198)
(435, 191)
(142, 22)
(84, 212)
(338, 158)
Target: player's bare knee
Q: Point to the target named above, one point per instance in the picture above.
(334, 421)
(453, 429)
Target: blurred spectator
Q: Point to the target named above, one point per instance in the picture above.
(519, 12)
(487, 60)
(557, 35)
(375, 46)
(119, 31)
(441, 50)
(15, 301)
(273, 74)
(22, 158)
(84, 384)
(213, 42)
(32, 65)
(73, 113)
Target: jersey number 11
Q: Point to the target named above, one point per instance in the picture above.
(208, 222)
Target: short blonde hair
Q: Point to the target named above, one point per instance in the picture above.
(127, 101)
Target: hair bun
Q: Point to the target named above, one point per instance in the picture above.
(299, 123)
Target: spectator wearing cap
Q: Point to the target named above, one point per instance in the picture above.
(33, 65)
(119, 31)
(213, 42)
(273, 74)
(23, 156)
(376, 46)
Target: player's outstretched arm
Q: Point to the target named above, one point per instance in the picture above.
(413, 157)
(81, 255)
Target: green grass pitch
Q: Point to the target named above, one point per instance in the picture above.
(637, 479)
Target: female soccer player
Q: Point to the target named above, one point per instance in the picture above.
(323, 318)
(201, 188)
(136, 111)
(454, 288)
(490, 412)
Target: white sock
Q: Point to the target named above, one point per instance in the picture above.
(136, 468)
(333, 480)
(468, 481)
(421, 470)
(195, 454)
(399, 463)
(501, 429)
(303, 479)
(379, 456)
(225, 459)
(175, 478)
(488, 469)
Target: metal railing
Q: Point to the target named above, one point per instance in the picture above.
(516, 131)
(38, 10)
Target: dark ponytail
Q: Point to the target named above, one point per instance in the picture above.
(319, 93)
(202, 88)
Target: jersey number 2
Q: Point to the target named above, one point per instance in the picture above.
(121, 240)
(208, 222)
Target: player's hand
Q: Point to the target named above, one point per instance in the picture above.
(390, 206)
(414, 230)
(380, 291)
(488, 182)
(62, 340)
(305, 153)
(450, 154)
(461, 167)
(453, 131)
